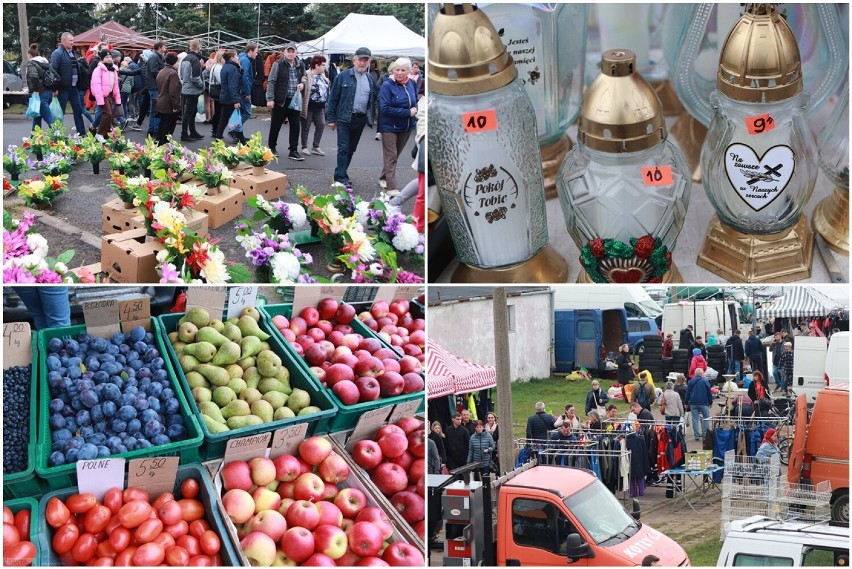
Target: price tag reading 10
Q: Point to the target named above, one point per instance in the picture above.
(657, 176)
(480, 121)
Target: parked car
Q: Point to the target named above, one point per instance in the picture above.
(637, 329)
(759, 541)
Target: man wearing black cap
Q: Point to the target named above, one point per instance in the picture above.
(285, 80)
(350, 107)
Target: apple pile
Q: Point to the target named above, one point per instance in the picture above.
(18, 550)
(357, 369)
(395, 325)
(290, 510)
(395, 460)
(129, 529)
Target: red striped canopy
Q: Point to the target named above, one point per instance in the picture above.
(448, 374)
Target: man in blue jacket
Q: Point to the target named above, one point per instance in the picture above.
(64, 61)
(350, 108)
(247, 65)
(699, 397)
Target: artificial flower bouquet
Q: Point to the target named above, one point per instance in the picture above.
(254, 152)
(25, 251)
(175, 160)
(280, 216)
(15, 161)
(128, 187)
(38, 142)
(227, 155)
(274, 258)
(52, 164)
(117, 142)
(210, 170)
(391, 226)
(93, 150)
(38, 192)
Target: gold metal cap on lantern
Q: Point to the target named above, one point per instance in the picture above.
(466, 54)
(760, 60)
(620, 111)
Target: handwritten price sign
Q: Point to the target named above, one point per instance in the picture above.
(210, 298)
(98, 476)
(156, 475)
(240, 297)
(101, 317)
(480, 121)
(657, 176)
(368, 424)
(759, 124)
(135, 312)
(17, 344)
(287, 440)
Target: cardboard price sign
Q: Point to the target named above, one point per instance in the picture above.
(210, 298)
(240, 297)
(368, 424)
(287, 440)
(156, 475)
(389, 293)
(101, 317)
(98, 476)
(17, 344)
(407, 409)
(135, 312)
(246, 448)
(311, 295)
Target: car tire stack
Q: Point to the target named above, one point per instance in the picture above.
(651, 358)
(716, 360)
(680, 361)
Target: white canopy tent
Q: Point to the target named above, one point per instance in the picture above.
(383, 35)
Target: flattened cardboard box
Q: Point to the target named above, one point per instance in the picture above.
(116, 218)
(271, 186)
(130, 257)
(221, 208)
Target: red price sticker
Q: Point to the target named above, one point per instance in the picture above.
(657, 176)
(759, 124)
(480, 121)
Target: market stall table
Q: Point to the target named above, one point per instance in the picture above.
(697, 481)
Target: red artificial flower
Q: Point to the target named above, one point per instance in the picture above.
(597, 247)
(199, 256)
(7, 187)
(644, 247)
(669, 259)
(186, 200)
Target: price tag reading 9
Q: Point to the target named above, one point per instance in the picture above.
(759, 124)
(657, 176)
(480, 121)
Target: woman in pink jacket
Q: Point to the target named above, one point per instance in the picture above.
(698, 362)
(106, 90)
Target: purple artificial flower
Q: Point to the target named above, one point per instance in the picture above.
(283, 209)
(308, 258)
(271, 244)
(49, 277)
(259, 257)
(305, 279)
(17, 275)
(241, 226)
(419, 249)
(14, 245)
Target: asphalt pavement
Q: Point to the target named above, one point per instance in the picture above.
(74, 220)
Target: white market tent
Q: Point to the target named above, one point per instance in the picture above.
(800, 302)
(383, 35)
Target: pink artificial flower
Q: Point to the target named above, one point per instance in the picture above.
(49, 277)
(17, 275)
(170, 274)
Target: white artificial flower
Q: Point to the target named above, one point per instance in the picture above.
(298, 217)
(162, 255)
(214, 270)
(37, 245)
(285, 267)
(168, 217)
(407, 238)
(61, 268)
(361, 212)
(264, 205)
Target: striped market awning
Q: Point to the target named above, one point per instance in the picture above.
(799, 302)
(448, 374)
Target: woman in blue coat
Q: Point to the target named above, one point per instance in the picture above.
(231, 94)
(480, 448)
(397, 110)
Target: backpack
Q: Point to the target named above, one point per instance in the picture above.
(642, 395)
(50, 79)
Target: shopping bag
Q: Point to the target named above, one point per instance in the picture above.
(56, 109)
(296, 102)
(235, 123)
(199, 108)
(34, 107)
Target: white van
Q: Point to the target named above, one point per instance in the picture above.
(706, 316)
(631, 298)
(837, 359)
(809, 365)
(761, 541)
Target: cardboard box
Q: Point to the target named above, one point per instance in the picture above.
(272, 185)
(130, 257)
(221, 208)
(197, 221)
(116, 218)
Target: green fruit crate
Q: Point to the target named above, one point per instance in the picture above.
(347, 415)
(215, 443)
(58, 477)
(206, 494)
(26, 484)
(30, 504)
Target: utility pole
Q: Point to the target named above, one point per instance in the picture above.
(505, 445)
(24, 31)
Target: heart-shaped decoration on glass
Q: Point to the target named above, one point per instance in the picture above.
(759, 181)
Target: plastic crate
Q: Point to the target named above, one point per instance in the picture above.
(215, 443)
(58, 477)
(207, 496)
(347, 415)
(30, 504)
(26, 484)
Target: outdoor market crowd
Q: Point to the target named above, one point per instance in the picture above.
(224, 86)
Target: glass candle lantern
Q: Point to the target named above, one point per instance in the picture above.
(831, 217)
(484, 153)
(759, 159)
(624, 187)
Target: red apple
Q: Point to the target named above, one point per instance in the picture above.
(339, 372)
(345, 314)
(298, 325)
(372, 562)
(379, 309)
(310, 315)
(351, 341)
(317, 334)
(343, 328)
(412, 382)
(386, 353)
(239, 505)
(420, 528)
(391, 364)
(327, 308)
(308, 487)
(287, 490)
(298, 544)
(339, 351)
(237, 474)
(329, 348)
(330, 540)
(368, 387)
(367, 454)
(362, 354)
(326, 327)
(365, 539)
(418, 337)
(417, 443)
(314, 450)
(259, 548)
(315, 354)
(378, 518)
(390, 478)
(302, 513)
(387, 429)
(405, 460)
(411, 506)
(320, 373)
(409, 364)
(330, 514)
(349, 559)
(411, 350)
(410, 424)
(287, 468)
(370, 344)
(350, 501)
(347, 392)
(330, 491)
(334, 337)
(371, 324)
(393, 318)
(370, 366)
(319, 560)
(333, 469)
(289, 335)
(270, 522)
(399, 307)
(347, 360)
(417, 470)
(391, 384)
(406, 321)
(419, 324)
(402, 554)
(280, 321)
(300, 351)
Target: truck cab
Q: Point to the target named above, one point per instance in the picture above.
(761, 541)
(562, 516)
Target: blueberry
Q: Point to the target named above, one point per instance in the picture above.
(87, 431)
(111, 392)
(101, 427)
(74, 372)
(136, 364)
(151, 355)
(149, 415)
(124, 349)
(71, 423)
(100, 345)
(168, 392)
(113, 350)
(149, 337)
(56, 458)
(155, 389)
(144, 374)
(118, 425)
(160, 375)
(132, 356)
(157, 364)
(126, 413)
(121, 449)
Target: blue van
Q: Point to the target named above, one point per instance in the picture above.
(637, 329)
(584, 337)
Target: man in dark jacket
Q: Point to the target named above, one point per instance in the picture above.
(687, 340)
(285, 80)
(735, 353)
(540, 423)
(699, 397)
(350, 108)
(152, 69)
(64, 61)
(231, 94)
(754, 352)
(777, 349)
(246, 59)
(457, 443)
(192, 85)
(168, 102)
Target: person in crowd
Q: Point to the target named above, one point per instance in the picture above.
(742, 406)
(192, 86)
(721, 338)
(612, 421)
(570, 417)
(736, 354)
(436, 435)
(377, 77)
(313, 105)
(398, 104)
(126, 82)
(350, 108)
(668, 345)
(246, 59)
(34, 72)
(699, 343)
(697, 361)
(785, 365)
(642, 415)
(699, 397)
(267, 65)
(209, 62)
(64, 61)
(593, 421)
(680, 389)
(285, 80)
(539, 423)
(768, 447)
(687, 340)
(491, 426)
(106, 90)
(216, 87)
(644, 392)
(168, 100)
(564, 433)
(93, 65)
(480, 448)
(596, 397)
(777, 348)
(625, 368)
(153, 66)
(48, 305)
(434, 463)
(457, 443)
(754, 352)
(651, 561)
(143, 98)
(671, 405)
(416, 77)
(231, 94)
(758, 392)
(466, 422)
(417, 186)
